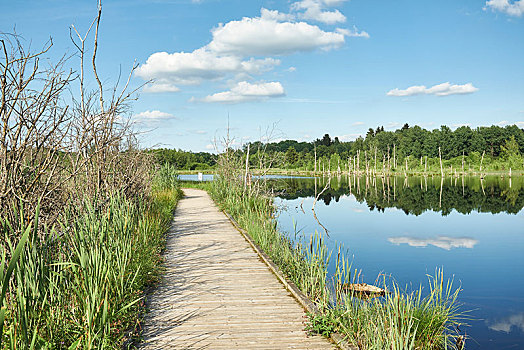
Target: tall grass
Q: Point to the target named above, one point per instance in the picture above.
(400, 320)
(80, 284)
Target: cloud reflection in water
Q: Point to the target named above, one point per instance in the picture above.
(443, 242)
(505, 324)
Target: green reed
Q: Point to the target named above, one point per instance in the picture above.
(80, 284)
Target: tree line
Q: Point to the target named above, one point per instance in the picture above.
(414, 148)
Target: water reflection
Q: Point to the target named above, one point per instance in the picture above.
(505, 325)
(415, 195)
(470, 227)
(443, 242)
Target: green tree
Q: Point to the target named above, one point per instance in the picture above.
(291, 156)
(510, 152)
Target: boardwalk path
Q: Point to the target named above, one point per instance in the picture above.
(216, 293)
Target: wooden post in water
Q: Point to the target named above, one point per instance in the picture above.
(462, 162)
(358, 161)
(366, 161)
(441, 185)
(315, 146)
(389, 163)
(395, 156)
(375, 160)
(440, 157)
(481, 160)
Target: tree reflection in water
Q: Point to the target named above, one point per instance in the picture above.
(414, 195)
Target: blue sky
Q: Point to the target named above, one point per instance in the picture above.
(308, 66)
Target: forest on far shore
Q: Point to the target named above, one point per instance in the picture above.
(494, 148)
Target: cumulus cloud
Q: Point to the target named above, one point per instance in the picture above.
(274, 15)
(242, 49)
(233, 49)
(444, 89)
(353, 33)
(151, 116)
(244, 91)
(191, 68)
(316, 10)
(267, 37)
(443, 242)
(512, 8)
(505, 325)
(157, 86)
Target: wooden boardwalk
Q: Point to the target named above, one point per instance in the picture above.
(216, 293)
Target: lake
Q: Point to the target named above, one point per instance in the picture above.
(405, 228)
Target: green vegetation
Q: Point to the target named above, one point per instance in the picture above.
(83, 211)
(184, 160)
(406, 150)
(81, 285)
(400, 320)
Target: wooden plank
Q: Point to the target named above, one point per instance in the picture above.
(216, 293)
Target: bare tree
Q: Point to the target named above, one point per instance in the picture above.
(56, 150)
(34, 126)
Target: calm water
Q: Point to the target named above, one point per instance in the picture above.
(407, 228)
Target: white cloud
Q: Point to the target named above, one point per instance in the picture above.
(315, 10)
(444, 89)
(244, 91)
(505, 325)
(150, 116)
(239, 49)
(210, 146)
(357, 123)
(274, 15)
(512, 8)
(191, 68)
(156, 87)
(353, 33)
(242, 49)
(441, 242)
(505, 123)
(268, 37)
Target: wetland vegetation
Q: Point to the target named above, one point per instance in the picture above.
(83, 211)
